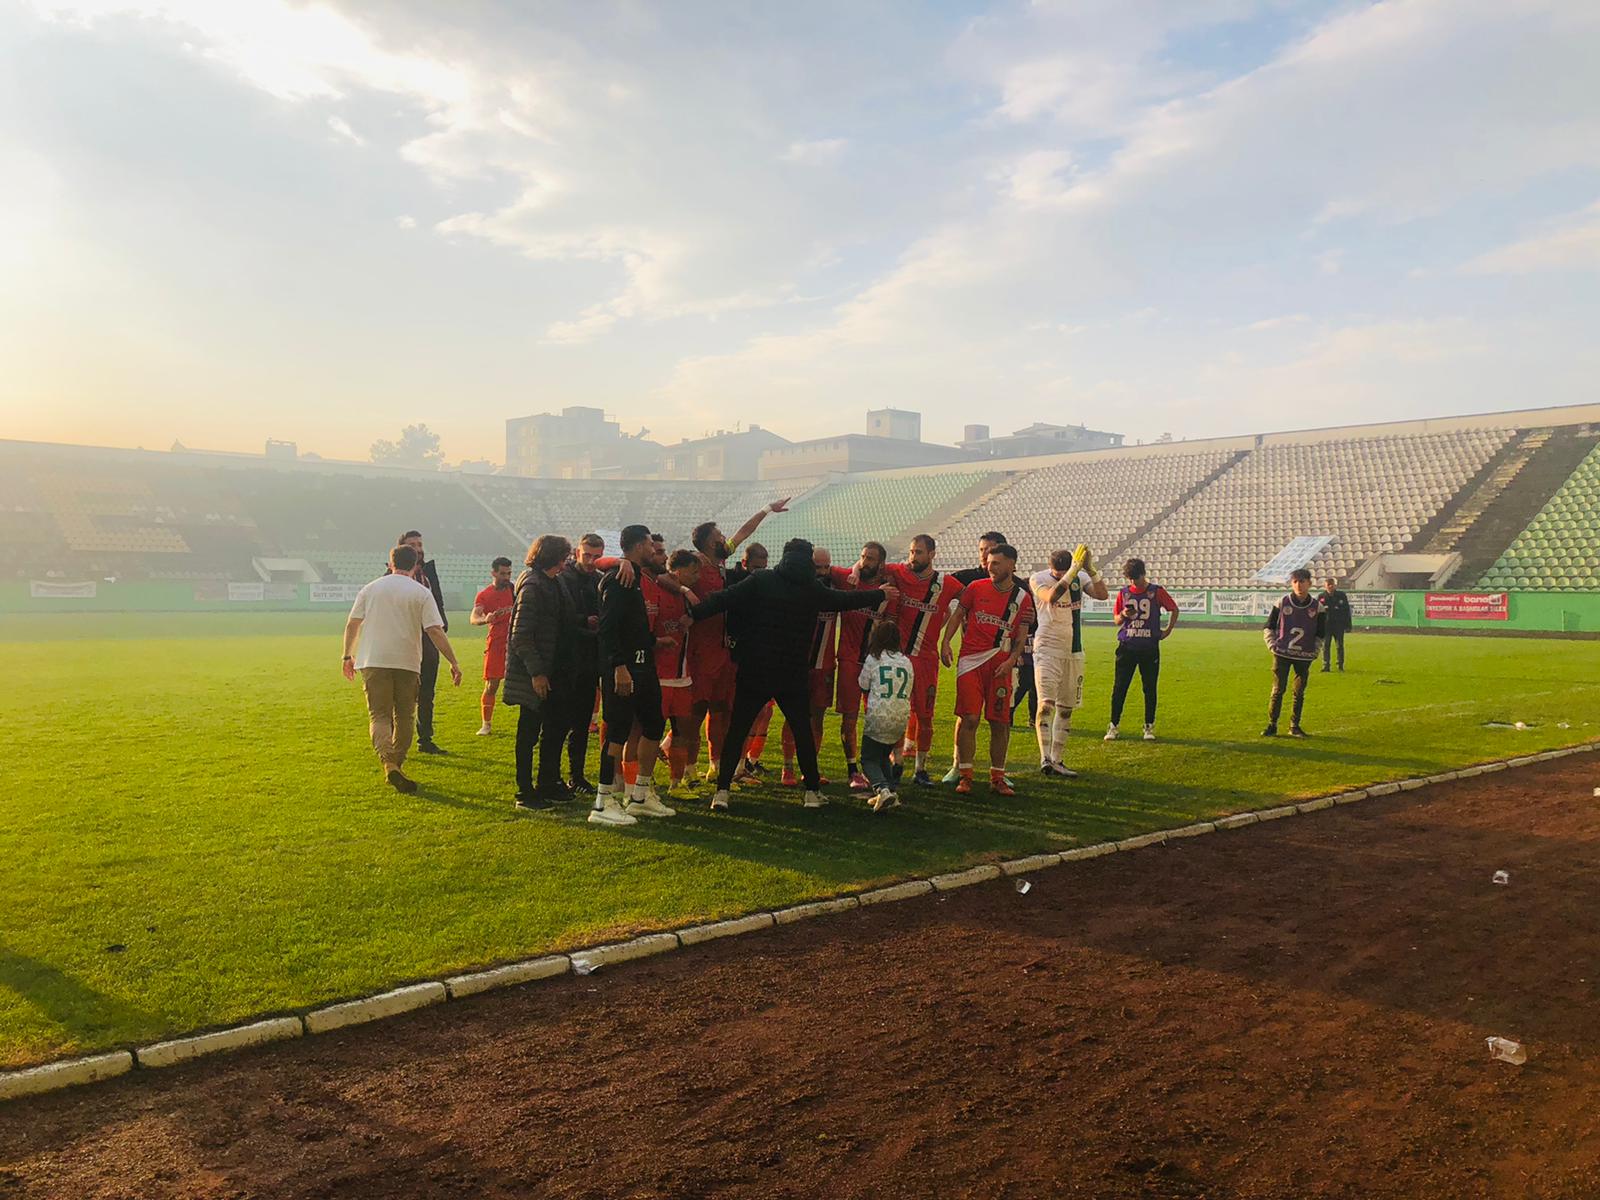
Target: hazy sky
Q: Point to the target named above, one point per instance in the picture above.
(226, 221)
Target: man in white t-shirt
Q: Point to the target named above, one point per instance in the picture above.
(389, 619)
(1058, 649)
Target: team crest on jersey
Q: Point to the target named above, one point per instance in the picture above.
(1002, 691)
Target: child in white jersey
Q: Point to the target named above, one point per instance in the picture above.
(886, 678)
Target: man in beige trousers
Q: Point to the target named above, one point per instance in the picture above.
(389, 619)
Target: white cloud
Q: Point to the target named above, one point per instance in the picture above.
(406, 222)
(1572, 244)
(814, 154)
(342, 127)
(1270, 324)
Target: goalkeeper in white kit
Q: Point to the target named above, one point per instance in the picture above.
(1058, 649)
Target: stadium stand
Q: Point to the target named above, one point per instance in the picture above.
(1103, 501)
(1560, 549)
(1371, 494)
(1512, 495)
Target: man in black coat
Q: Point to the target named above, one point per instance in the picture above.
(581, 578)
(1337, 606)
(539, 676)
(777, 617)
(426, 573)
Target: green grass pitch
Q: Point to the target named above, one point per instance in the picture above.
(194, 829)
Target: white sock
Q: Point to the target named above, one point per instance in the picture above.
(922, 759)
(1060, 726)
(1046, 750)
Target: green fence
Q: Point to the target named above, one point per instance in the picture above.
(1520, 612)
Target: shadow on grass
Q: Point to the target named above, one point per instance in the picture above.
(83, 1014)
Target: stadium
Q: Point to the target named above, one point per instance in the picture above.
(607, 599)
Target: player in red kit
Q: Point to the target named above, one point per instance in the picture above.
(672, 666)
(993, 615)
(492, 607)
(925, 597)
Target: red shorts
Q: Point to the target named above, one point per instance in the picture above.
(821, 689)
(677, 701)
(924, 690)
(494, 662)
(713, 684)
(985, 691)
(848, 695)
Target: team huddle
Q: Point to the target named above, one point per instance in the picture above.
(682, 644)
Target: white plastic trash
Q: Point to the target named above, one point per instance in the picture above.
(1023, 887)
(1502, 877)
(1520, 725)
(1505, 1050)
(582, 966)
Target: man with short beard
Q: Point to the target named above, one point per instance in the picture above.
(926, 595)
(492, 607)
(581, 579)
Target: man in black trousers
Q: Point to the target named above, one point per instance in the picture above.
(581, 579)
(426, 572)
(777, 620)
(1337, 605)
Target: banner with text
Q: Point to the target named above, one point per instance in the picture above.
(1467, 606)
(247, 591)
(1243, 604)
(1371, 604)
(44, 589)
(334, 593)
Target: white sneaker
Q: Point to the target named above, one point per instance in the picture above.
(484, 730)
(814, 800)
(1111, 733)
(1149, 733)
(953, 774)
(1060, 771)
(610, 813)
(884, 799)
(649, 804)
(719, 802)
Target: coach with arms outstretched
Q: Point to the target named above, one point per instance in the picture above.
(777, 619)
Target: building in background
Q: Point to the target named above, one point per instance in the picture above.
(893, 439)
(895, 423)
(576, 443)
(1038, 438)
(721, 456)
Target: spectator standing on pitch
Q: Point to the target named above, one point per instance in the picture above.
(925, 598)
(539, 676)
(885, 679)
(630, 690)
(426, 572)
(492, 607)
(855, 632)
(710, 660)
(752, 560)
(1294, 631)
(1027, 684)
(383, 638)
(581, 578)
(1337, 605)
(993, 615)
(1058, 649)
(1137, 615)
(779, 616)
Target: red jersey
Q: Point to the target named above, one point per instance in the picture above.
(666, 611)
(855, 626)
(708, 639)
(995, 619)
(923, 606)
(492, 599)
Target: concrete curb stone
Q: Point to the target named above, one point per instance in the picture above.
(958, 879)
(462, 986)
(696, 934)
(1140, 841)
(1411, 785)
(257, 1033)
(1082, 853)
(1350, 797)
(68, 1072)
(1383, 789)
(1198, 829)
(1034, 862)
(1277, 814)
(1317, 805)
(816, 908)
(1493, 766)
(616, 952)
(1237, 821)
(371, 1008)
(898, 891)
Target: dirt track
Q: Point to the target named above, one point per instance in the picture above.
(1290, 1010)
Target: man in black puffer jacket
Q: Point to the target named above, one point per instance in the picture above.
(539, 667)
(777, 617)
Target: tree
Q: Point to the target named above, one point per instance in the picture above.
(418, 447)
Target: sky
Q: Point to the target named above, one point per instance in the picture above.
(222, 222)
